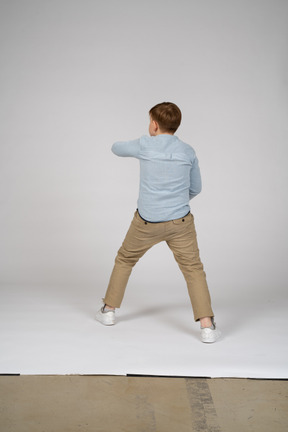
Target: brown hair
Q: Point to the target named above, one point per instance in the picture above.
(167, 115)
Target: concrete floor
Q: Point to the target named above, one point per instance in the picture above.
(141, 404)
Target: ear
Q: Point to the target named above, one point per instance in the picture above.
(155, 125)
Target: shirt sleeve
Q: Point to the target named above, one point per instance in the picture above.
(127, 148)
(195, 179)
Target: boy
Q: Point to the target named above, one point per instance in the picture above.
(169, 178)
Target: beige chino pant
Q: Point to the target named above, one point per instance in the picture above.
(180, 236)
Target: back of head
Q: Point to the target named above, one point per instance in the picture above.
(167, 115)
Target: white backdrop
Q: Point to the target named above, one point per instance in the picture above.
(78, 75)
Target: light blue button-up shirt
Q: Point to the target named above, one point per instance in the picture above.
(169, 175)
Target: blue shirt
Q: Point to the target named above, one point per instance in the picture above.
(169, 175)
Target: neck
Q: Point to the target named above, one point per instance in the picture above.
(163, 133)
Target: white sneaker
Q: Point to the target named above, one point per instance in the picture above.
(210, 334)
(107, 317)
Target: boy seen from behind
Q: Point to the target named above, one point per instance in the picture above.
(169, 179)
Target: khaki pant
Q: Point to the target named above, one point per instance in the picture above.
(180, 236)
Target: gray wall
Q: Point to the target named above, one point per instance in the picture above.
(78, 75)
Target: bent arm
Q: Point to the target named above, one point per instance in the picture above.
(126, 148)
(195, 180)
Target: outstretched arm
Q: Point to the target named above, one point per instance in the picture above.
(127, 148)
